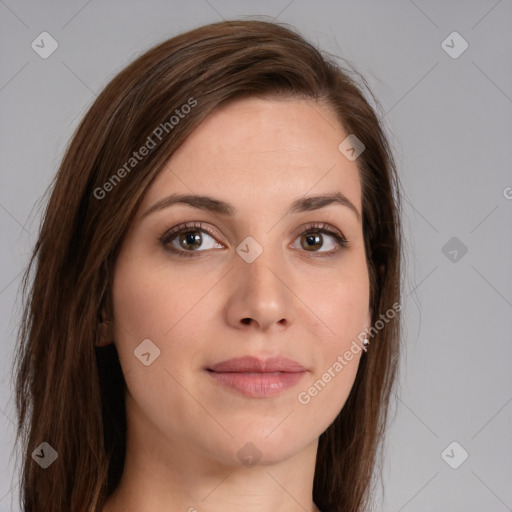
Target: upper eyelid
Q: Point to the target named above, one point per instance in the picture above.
(171, 233)
(182, 226)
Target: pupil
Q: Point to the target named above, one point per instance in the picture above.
(191, 237)
(311, 240)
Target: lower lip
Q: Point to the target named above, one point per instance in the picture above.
(258, 385)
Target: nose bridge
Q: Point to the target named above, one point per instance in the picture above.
(260, 273)
(258, 287)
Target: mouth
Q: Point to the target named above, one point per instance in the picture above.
(257, 378)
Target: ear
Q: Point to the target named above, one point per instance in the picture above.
(104, 335)
(105, 305)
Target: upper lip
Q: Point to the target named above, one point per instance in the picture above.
(258, 365)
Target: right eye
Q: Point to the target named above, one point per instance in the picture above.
(188, 238)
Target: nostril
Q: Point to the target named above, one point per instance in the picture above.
(246, 320)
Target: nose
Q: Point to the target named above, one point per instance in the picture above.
(262, 296)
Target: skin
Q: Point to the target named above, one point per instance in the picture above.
(185, 428)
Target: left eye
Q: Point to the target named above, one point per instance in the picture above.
(311, 240)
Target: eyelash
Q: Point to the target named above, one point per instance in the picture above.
(316, 228)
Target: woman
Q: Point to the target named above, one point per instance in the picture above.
(221, 243)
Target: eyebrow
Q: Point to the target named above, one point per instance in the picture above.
(207, 203)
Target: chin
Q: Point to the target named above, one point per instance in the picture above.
(267, 447)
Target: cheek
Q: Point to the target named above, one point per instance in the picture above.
(138, 305)
(343, 311)
(156, 302)
(148, 306)
(341, 306)
(323, 396)
(149, 301)
(320, 401)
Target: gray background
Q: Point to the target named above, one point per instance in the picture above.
(450, 121)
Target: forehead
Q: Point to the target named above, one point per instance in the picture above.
(265, 149)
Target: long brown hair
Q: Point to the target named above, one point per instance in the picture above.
(70, 393)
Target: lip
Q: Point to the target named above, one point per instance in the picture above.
(256, 377)
(258, 365)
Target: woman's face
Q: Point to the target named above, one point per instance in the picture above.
(252, 273)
